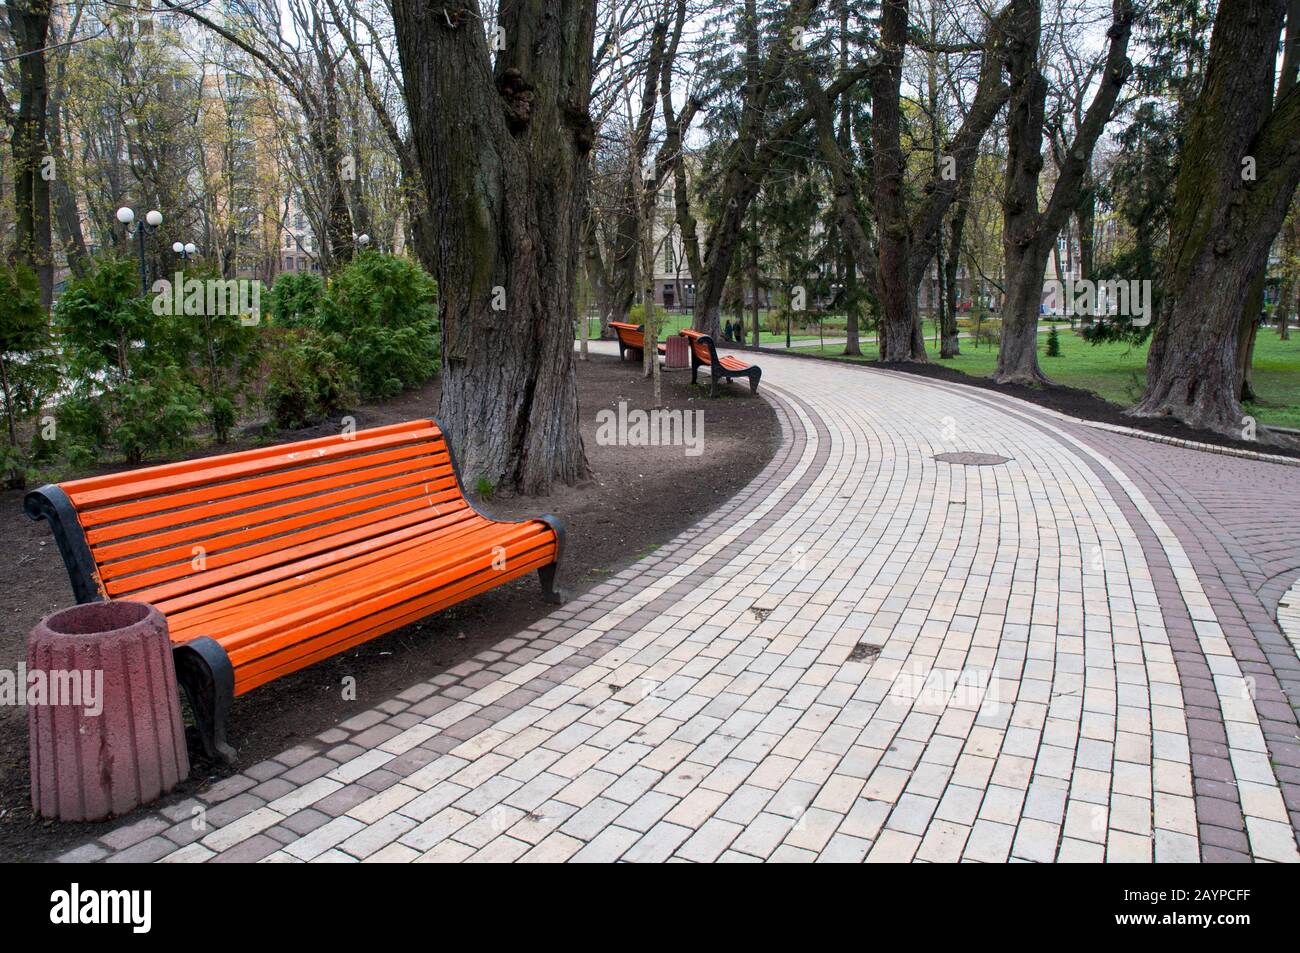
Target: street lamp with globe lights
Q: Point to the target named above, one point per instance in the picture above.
(184, 249)
(152, 219)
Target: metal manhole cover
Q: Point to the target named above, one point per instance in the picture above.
(969, 458)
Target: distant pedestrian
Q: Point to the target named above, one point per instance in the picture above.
(726, 330)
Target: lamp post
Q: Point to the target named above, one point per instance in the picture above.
(185, 250)
(152, 219)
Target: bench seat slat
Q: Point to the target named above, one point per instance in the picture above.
(327, 535)
(177, 597)
(299, 656)
(223, 549)
(289, 613)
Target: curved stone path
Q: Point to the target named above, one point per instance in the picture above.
(867, 654)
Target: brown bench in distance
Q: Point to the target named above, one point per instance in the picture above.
(267, 560)
(705, 354)
(631, 337)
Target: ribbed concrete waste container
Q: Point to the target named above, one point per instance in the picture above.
(677, 352)
(103, 715)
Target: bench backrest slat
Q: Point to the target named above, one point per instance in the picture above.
(702, 345)
(185, 528)
(631, 335)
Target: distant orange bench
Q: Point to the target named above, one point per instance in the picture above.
(705, 354)
(267, 560)
(631, 337)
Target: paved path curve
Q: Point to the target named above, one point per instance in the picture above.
(867, 654)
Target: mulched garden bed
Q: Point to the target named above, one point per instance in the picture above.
(636, 499)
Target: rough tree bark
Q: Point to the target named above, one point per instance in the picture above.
(412, 186)
(950, 336)
(671, 158)
(911, 243)
(1223, 221)
(1284, 310)
(896, 336)
(29, 21)
(1250, 315)
(503, 150)
(67, 217)
(1028, 233)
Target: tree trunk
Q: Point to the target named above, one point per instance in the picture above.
(950, 334)
(753, 285)
(1028, 233)
(29, 21)
(897, 302)
(1250, 316)
(1223, 221)
(598, 278)
(503, 152)
(650, 352)
(1085, 216)
(67, 217)
(926, 226)
(1246, 332)
(1286, 296)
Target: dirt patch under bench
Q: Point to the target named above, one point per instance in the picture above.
(638, 497)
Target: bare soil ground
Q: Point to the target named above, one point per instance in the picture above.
(637, 498)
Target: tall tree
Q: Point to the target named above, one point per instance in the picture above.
(503, 147)
(757, 141)
(29, 21)
(300, 55)
(1251, 314)
(1030, 233)
(909, 239)
(625, 253)
(1239, 172)
(899, 332)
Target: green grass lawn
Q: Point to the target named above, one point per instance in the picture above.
(1117, 372)
(833, 328)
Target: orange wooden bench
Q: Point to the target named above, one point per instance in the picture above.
(631, 337)
(267, 560)
(705, 354)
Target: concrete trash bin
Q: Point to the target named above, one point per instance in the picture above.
(677, 354)
(103, 715)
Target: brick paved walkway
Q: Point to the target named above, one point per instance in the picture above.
(867, 654)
